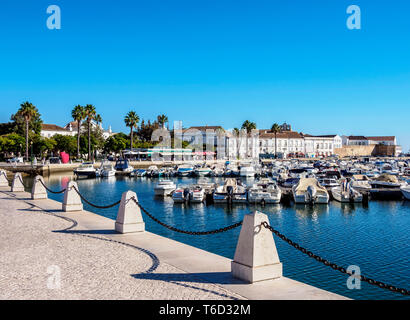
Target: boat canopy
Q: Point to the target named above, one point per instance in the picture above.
(388, 178)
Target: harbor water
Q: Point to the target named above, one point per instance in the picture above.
(374, 237)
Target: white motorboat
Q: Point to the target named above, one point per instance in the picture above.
(86, 169)
(308, 190)
(348, 194)
(329, 183)
(405, 190)
(231, 191)
(264, 193)
(197, 195)
(218, 171)
(386, 181)
(122, 165)
(203, 172)
(139, 173)
(231, 170)
(107, 170)
(164, 188)
(185, 170)
(360, 183)
(181, 195)
(247, 170)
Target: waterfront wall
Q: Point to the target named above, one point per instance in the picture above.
(355, 151)
(371, 150)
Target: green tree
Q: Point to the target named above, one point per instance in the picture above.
(6, 128)
(162, 120)
(90, 115)
(145, 130)
(12, 142)
(26, 113)
(275, 129)
(43, 145)
(67, 144)
(248, 126)
(78, 114)
(96, 140)
(131, 120)
(116, 144)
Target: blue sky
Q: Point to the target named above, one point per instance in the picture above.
(213, 62)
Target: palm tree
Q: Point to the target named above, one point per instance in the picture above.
(248, 126)
(27, 111)
(78, 115)
(131, 120)
(275, 129)
(162, 120)
(90, 115)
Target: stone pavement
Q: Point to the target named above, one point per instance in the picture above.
(40, 244)
(90, 266)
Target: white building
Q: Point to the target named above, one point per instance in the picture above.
(287, 142)
(325, 145)
(49, 130)
(366, 141)
(73, 127)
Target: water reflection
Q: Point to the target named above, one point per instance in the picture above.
(306, 211)
(324, 229)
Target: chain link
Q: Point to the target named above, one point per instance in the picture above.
(334, 266)
(94, 205)
(21, 180)
(195, 233)
(49, 190)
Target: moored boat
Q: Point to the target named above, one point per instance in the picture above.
(164, 188)
(107, 170)
(308, 190)
(123, 166)
(347, 194)
(86, 169)
(405, 190)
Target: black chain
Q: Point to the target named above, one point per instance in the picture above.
(49, 190)
(21, 180)
(94, 205)
(195, 233)
(334, 266)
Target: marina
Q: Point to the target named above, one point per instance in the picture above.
(205, 151)
(373, 232)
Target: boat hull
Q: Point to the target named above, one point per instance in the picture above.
(406, 193)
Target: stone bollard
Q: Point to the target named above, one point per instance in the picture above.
(38, 191)
(17, 185)
(72, 201)
(256, 257)
(129, 218)
(3, 179)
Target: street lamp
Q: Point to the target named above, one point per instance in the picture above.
(31, 144)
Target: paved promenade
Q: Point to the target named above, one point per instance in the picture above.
(40, 244)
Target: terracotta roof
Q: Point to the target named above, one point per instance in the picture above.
(357, 138)
(387, 138)
(204, 128)
(322, 136)
(280, 135)
(51, 127)
(73, 125)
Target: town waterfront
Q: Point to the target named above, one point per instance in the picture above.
(373, 237)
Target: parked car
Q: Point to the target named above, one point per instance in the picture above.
(15, 159)
(54, 160)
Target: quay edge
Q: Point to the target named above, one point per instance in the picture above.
(209, 267)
